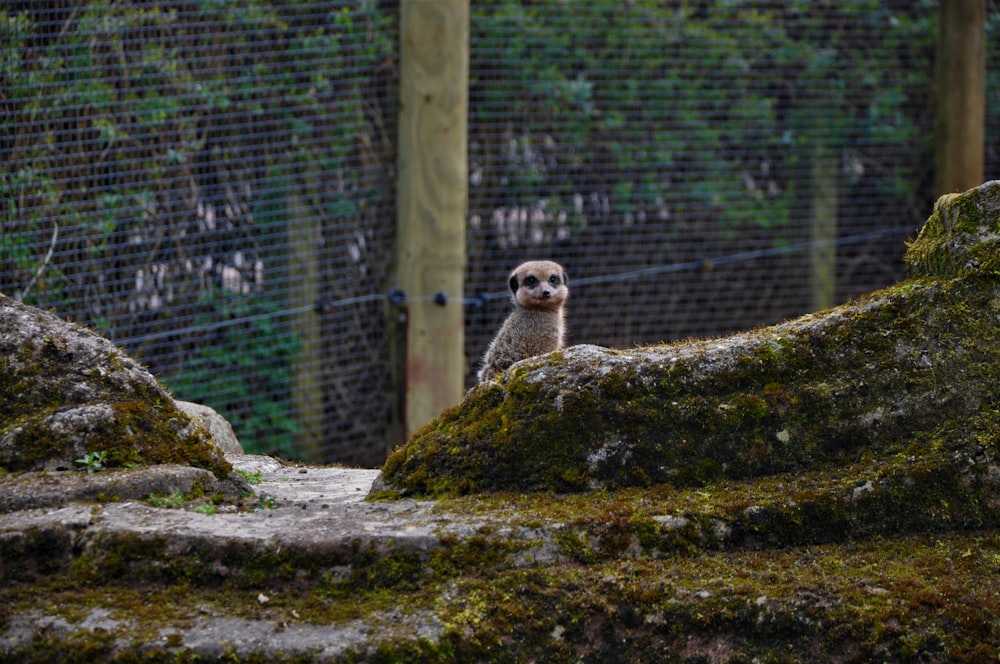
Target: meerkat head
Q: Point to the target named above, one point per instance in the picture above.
(539, 285)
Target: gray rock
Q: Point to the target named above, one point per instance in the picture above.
(67, 393)
(45, 489)
(218, 428)
(910, 366)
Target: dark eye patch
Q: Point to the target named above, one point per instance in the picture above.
(531, 281)
(554, 280)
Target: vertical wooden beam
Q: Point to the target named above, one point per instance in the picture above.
(960, 95)
(303, 240)
(432, 200)
(823, 228)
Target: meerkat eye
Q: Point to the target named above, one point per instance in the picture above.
(531, 281)
(554, 280)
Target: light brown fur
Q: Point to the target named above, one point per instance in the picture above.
(537, 325)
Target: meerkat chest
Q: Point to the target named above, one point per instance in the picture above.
(540, 331)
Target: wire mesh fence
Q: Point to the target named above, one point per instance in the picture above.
(188, 177)
(689, 148)
(211, 184)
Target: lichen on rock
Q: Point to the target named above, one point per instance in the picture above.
(961, 237)
(903, 379)
(66, 392)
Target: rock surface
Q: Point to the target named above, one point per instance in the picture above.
(66, 392)
(31, 490)
(218, 428)
(308, 512)
(309, 571)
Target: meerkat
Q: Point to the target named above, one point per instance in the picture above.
(539, 290)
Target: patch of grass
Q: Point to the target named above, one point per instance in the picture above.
(253, 478)
(264, 503)
(174, 500)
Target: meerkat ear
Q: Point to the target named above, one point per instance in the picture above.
(565, 279)
(513, 283)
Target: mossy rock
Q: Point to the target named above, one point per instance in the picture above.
(66, 392)
(904, 377)
(962, 236)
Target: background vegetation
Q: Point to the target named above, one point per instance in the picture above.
(164, 163)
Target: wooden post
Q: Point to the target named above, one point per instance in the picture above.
(823, 231)
(432, 200)
(960, 95)
(303, 240)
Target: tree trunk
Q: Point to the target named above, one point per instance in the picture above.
(961, 95)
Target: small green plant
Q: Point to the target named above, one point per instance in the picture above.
(174, 500)
(205, 508)
(94, 461)
(252, 478)
(264, 503)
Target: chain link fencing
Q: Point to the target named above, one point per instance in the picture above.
(210, 184)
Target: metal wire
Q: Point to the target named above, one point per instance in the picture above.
(211, 185)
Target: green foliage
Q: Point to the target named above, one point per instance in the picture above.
(177, 499)
(252, 478)
(646, 101)
(205, 508)
(174, 500)
(154, 135)
(93, 461)
(242, 367)
(264, 503)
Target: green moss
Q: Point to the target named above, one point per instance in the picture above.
(960, 237)
(872, 377)
(43, 379)
(147, 582)
(140, 433)
(838, 604)
(627, 583)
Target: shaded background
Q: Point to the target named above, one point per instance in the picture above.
(167, 165)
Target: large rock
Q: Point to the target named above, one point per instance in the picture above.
(317, 574)
(904, 380)
(66, 392)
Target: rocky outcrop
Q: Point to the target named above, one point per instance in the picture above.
(66, 393)
(311, 572)
(902, 380)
